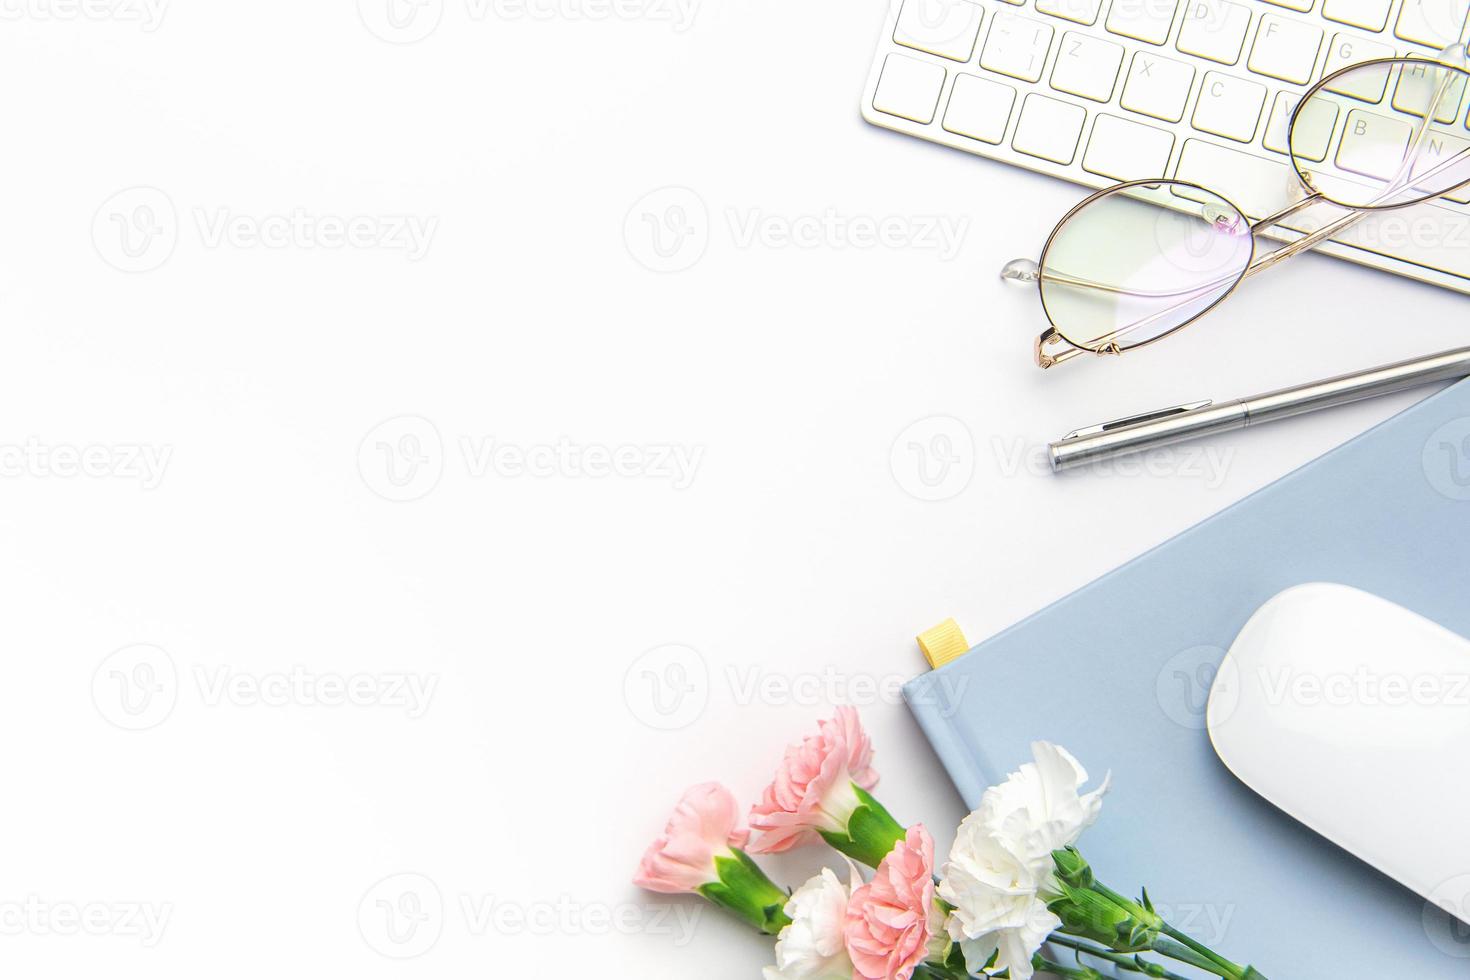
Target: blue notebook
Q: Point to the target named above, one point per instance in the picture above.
(1118, 672)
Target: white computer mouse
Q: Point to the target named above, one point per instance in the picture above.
(1352, 715)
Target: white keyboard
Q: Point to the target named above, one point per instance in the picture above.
(1101, 91)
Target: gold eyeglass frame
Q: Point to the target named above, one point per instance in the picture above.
(1452, 58)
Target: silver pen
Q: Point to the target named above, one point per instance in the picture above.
(1168, 426)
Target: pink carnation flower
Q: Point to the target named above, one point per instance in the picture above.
(812, 790)
(704, 826)
(891, 920)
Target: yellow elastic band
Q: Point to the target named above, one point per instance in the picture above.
(943, 643)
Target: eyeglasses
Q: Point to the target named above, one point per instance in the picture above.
(1141, 260)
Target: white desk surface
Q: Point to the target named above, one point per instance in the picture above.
(268, 566)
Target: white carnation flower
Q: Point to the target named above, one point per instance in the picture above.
(813, 947)
(1000, 872)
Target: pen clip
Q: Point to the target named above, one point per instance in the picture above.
(1132, 420)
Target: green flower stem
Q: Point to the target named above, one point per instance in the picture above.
(1133, 964)
(1184, 948)
(746, 892)
(1182, 953)
(1235, 972)
(871, 831)
(1042, 965)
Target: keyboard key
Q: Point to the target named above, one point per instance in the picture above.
(1087, 66)
(979, 108)
(1285, 49)
(1373, 145)
(909, 88)
(1432, 22)
(1255, 185)
(1303, 5)
(1367, 85)
(947, 28)
(1229, 107)
(1127, 150)
(1214, 29)
(1313, 129)
(1157, 86)
(1370, 15)
(1080, 11)
(1418, 85)
(1017, 46)
(1437, 150)
(1142, 20)
(1049, 129)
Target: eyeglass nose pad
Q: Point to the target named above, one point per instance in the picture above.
(1224, 219)
(1020, 272)
(1455, 55)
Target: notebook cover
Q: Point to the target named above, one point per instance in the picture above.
(1118, 673)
